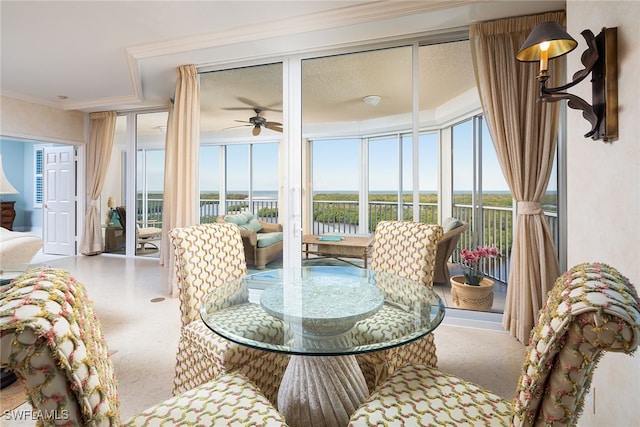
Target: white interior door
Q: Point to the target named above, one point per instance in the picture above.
(59, 201)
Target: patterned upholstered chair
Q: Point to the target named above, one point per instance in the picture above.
(206, 257)
(407, 249)
(52, 339)
(591, 309)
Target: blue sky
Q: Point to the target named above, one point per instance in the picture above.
(336, 165)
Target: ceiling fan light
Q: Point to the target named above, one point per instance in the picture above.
(372, 100)
(256, 130)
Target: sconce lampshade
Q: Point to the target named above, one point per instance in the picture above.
(560, 44)
(5, 185)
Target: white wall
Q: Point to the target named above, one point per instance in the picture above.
(604, 195)
(26, 120)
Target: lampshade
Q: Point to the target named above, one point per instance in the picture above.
(111, 202)
(5, 185)
(560, 42)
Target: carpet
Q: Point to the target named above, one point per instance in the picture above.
(12, 396)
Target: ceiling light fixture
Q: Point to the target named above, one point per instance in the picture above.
(549, 40)
(372, 100)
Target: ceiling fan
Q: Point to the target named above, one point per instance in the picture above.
(258, 122)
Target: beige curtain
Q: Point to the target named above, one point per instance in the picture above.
(166, 253)
(181, 190)
(524, 134)
(102, 127)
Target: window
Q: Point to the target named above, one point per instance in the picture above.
(38, 181)
(335, 182)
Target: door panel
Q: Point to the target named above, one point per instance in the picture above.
(59, 201)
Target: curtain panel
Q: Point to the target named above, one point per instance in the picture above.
(181, 198)
(102, 127)
(524, 135)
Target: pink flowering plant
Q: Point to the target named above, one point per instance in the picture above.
(474, 260)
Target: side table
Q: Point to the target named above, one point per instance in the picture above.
(7, 214)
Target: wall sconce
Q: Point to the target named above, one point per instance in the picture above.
(549, 40)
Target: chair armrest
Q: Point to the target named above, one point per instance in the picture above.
(269, 227)
(249, 238)
(452, 233)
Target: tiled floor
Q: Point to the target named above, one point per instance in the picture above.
(141, 324)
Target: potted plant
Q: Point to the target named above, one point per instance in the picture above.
(472, 290)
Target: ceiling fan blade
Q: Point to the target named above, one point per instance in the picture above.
(273, 126)
(243, 121)
(239, 126)
(256, 130)
(254, 105)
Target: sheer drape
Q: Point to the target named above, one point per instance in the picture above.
(524, 134)
(102, 127)
(166, 253)
(181, 189)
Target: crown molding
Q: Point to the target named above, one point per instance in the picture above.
(351, 15)
(33, 99)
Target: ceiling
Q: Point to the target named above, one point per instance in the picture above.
(123, 55)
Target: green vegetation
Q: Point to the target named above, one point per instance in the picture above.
(268, 213)
(343, 208)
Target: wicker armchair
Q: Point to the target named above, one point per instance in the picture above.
(206, 257)
(446, 245)
(591, 309)
(52, 339)
(407, 249)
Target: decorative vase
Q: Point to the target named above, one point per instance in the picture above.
(472, 297)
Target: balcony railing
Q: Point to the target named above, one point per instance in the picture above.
(333, 216)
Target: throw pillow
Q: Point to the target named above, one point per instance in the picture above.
(254, 225)
(450, 223)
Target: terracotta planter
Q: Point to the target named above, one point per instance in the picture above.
(472, 297)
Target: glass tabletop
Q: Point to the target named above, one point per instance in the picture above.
(323, 311)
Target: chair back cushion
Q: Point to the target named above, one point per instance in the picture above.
(51, 338)
(206, 257)
(591, 309)
(406, 248)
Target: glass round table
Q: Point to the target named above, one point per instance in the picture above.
(323, 317)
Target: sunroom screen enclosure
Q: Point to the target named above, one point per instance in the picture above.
(422, 153)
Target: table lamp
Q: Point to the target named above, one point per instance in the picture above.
(111, 204)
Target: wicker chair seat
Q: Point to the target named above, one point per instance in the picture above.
(388, 323)
(420, 395)
(230, 400)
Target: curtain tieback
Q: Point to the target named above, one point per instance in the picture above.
(93, 202)
(529, 208)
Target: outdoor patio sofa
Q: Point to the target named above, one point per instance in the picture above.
(262, 240)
